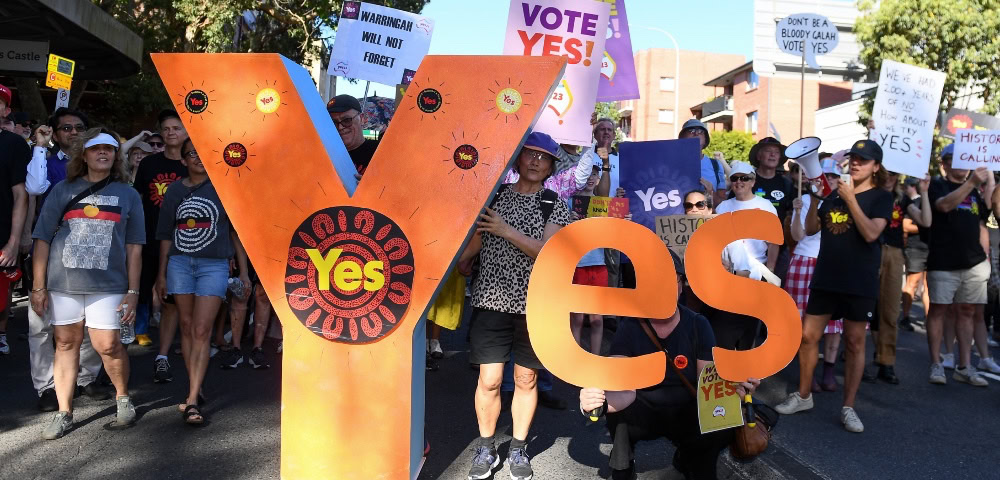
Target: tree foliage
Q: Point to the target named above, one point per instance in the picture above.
(301, 30)
(734, 145)
(958, 37)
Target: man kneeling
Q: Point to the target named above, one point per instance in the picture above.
(668, 409)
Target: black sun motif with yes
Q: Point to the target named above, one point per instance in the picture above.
(235, 154)
(430, 98)
(195, 101)
(464, 154)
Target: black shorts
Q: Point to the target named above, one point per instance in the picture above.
(854, 308)
(494, 335)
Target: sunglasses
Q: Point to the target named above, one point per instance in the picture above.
(69, 128)
(700, 204)
(536, 155)
(346, 122)
(155, 144)
(740, 178)
(192, 154)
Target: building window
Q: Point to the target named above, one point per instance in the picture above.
(666, 84)
(752, 123)
(666, 116)
(752, 81)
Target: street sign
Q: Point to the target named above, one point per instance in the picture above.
(23, 56)
(58, 80)
(62, 98)
(61, 65)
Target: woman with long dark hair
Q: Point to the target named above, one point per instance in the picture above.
(851, 221)
(88, 245)
(196, 243)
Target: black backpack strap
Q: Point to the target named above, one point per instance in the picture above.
(548, 203)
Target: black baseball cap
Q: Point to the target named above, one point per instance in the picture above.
(867, 149)
(343, 103)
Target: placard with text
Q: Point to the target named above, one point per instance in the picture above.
(569, 28)
(906, 108)
(379, 44)
(976, 148)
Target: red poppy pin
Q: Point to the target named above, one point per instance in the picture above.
(681, 362)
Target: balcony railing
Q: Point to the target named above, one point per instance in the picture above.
(718, 104)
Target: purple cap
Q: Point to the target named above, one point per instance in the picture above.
(542, 142)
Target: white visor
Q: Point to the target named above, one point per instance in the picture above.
(101, 139)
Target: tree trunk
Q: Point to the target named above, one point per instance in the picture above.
(31, 98)
(76, 92)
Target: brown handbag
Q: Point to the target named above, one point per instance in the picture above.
(749, 440)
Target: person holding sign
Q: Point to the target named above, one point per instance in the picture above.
(345, 111)
(747, 258)
(508, 237)
(802, 267)
(957, 264)
(668, 409)
(845, 282)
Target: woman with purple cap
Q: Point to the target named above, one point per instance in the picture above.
(87, 257)
(508, 237)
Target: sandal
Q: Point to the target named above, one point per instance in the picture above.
(193, 416)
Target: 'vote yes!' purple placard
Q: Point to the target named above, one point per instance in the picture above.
(569, 28)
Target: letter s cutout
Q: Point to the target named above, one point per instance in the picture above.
(720, 289)
(552, 296)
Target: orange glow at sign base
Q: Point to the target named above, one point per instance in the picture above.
(552, 296)
(350, 268)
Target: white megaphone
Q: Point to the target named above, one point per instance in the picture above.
(805, 152)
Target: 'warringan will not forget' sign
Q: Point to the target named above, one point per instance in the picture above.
(379, 44)
(976, 148)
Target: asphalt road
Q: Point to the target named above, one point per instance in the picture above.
(913, 430)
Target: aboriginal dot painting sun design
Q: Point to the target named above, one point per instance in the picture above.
(349, 274)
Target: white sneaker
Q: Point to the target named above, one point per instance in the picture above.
(795, 403)
(937, 374)
(948, 360)
(969, 375)
(989, 365)
(991, 343)
(850, 420)
(434, 346)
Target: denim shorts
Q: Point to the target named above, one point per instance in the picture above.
(204, 277)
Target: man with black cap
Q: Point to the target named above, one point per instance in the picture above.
(345, 111)
(713, 171)
(957, 264)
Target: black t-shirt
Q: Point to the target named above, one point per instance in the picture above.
(778, 190)
(893, 234)
(954, 240)
(847, 263)
(692, 338)
(14, 158)
(362, 155)
(923, 234)
(156, 173)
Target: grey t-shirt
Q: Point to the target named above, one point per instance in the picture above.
(193, 218)
(87, 253)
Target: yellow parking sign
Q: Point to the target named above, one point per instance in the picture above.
(58, 80)
(61, 65)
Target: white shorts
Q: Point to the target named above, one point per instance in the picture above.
(97, 311)
(959, 286)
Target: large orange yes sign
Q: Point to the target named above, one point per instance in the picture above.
(351, 268)
(552, 296)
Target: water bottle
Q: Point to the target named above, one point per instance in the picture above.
(154, 319)
(127, 329)
(236, 287)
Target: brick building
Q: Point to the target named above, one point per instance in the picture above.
(666, 97)
(768, 106)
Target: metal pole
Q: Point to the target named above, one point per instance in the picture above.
(677, 76)
(365, 99)
(802, 91)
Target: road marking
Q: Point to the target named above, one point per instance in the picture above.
(990, 375)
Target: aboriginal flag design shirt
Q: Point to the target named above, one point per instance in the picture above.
(87, 243)
(194, 220)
